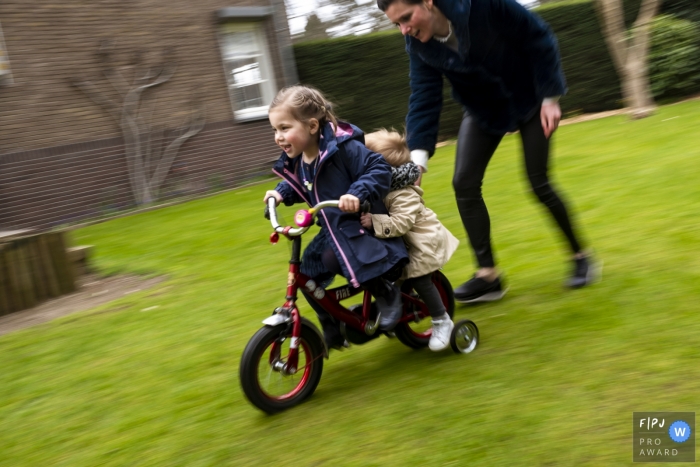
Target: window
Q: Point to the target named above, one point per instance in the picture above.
(249, 73)
(5, 73)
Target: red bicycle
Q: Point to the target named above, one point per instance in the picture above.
(282, 363)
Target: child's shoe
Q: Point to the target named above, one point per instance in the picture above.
(333, 337)
(442, 330)
(390, 308)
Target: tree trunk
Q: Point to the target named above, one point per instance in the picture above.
(630, 51)
(147, 168)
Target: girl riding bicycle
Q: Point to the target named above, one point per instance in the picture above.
(335, 164)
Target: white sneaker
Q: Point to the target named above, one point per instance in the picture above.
(440, 337)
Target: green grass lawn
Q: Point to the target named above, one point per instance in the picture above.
(152, 379)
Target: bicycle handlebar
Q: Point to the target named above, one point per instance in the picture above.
(304, 217)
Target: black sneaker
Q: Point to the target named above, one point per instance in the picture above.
(585, 272)
(334, 338)
(477, 289)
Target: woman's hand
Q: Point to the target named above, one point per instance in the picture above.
(366, 220)
(349, 203)
(272, 194)
(550, 114)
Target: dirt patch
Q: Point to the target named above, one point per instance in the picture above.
(92, 291)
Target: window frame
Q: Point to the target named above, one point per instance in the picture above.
(268, 84)
(5, 68)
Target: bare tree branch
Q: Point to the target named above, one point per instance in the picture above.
(148, 164)
(91, 91)
(196, 124)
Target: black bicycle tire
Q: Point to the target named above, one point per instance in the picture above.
(254, 351)
(403, 331)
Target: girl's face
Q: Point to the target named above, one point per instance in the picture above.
(413, 19)
(293, 136)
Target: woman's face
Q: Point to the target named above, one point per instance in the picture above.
(413, 20)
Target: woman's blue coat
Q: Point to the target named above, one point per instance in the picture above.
(345, 165)
(508, 61)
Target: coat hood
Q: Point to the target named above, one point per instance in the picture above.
(332, 136)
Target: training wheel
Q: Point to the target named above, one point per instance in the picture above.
(303, 218)
(465, 336)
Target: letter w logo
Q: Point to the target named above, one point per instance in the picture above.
(680, 431)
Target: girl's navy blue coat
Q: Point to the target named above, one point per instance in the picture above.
(508, 61)
(345, 165)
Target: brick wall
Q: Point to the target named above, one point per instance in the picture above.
(62, 156)
(46, 188)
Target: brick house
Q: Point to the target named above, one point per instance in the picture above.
(63, 154)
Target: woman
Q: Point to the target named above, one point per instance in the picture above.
(503, 64)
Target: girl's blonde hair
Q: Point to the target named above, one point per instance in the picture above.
(390, 144)
(305, 103)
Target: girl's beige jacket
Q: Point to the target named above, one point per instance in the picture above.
(430, 245)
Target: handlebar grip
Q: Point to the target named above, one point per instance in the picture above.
(365, 206)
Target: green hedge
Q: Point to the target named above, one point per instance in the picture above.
(367, 76)
(590, 74)
(674, 57)
(684, 9)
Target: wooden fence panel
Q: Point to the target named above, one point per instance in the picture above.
(47, 267)
(32, 269)
(5, 303)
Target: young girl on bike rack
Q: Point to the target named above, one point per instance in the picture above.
(430, 244)
(325, 159)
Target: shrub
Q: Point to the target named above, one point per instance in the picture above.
(367, 76)
(674, 57)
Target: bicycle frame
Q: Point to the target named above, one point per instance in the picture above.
(328, 299)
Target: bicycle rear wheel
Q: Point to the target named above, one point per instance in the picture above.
(416, 333)
(264, 380)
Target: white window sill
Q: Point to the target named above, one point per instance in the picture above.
(254, 113)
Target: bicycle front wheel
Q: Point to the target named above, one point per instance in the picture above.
(263, 375)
